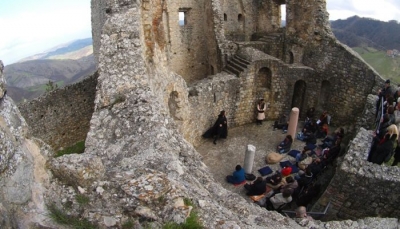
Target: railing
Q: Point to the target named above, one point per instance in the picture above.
(379, 116)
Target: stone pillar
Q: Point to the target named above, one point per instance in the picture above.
(293, 120)
(249, 158)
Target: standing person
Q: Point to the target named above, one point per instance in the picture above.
(219, 129)
(382, 93)
(261, 107)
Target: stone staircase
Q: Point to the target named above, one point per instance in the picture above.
(272, 37)
(236, 65)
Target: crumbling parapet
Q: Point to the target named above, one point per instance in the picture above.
(360, 188)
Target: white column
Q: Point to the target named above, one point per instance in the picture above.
(249, 158)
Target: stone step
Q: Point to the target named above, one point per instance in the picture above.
(239, 63)
(233, 70)
(271, 37)
(236, 65)
(244, 61)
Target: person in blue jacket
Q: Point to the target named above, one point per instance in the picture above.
(237, 177)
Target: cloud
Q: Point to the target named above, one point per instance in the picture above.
(29, 31)
(384, 10)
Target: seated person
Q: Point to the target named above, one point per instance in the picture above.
(323, 119)
(305, 179)
(279, 199)
(304, 158)
(237, 177)
(275, 181)
(330, 155)
(282, 122)
(328, 141)
(322, 131)
(285, 145)
(310, 113)
(258, 187)
(291, 185)
(316, 166)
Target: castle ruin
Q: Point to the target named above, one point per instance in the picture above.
(161, 82)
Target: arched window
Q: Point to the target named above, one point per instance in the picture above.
(299, 93)
(263, 79)
(225, 17)
(240, 17)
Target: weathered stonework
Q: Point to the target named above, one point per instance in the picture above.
(152, 105)
(360, 188)
(61, 118)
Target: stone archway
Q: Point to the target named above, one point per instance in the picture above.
(299, 93)
(263, 83)
(323, 98)
(291, 57)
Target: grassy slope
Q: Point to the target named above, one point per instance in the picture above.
(387, 67)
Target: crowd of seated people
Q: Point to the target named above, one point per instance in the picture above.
(314, 129)
(281, 188)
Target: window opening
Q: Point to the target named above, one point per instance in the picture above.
(240, 17)
(182, 18)
(283, 15)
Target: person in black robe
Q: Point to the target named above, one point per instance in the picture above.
(219, 129)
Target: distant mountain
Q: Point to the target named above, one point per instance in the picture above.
(71, 50)
(367, 32)
(372, 39)
(63, 65)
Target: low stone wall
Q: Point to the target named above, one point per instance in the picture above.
(62, 117)
(360, 188)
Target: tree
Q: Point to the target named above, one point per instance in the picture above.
(51, 86)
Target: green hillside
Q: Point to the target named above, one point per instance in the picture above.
(387, 67)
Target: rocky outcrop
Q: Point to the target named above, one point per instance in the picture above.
(138, 167)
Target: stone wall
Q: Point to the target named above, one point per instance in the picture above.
(360, 188)
(61, 117)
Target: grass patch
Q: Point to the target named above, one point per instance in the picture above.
(62, 218)
(387, 67)
(187, 202)
(128, 225)
(77, 148)
(82, 199)
(192, 222)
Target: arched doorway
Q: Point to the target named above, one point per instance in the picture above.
(291, 57)
(263, 83)
(299, 93)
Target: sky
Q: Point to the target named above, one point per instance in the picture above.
(30, 27)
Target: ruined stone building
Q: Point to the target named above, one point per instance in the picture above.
(165, 70)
